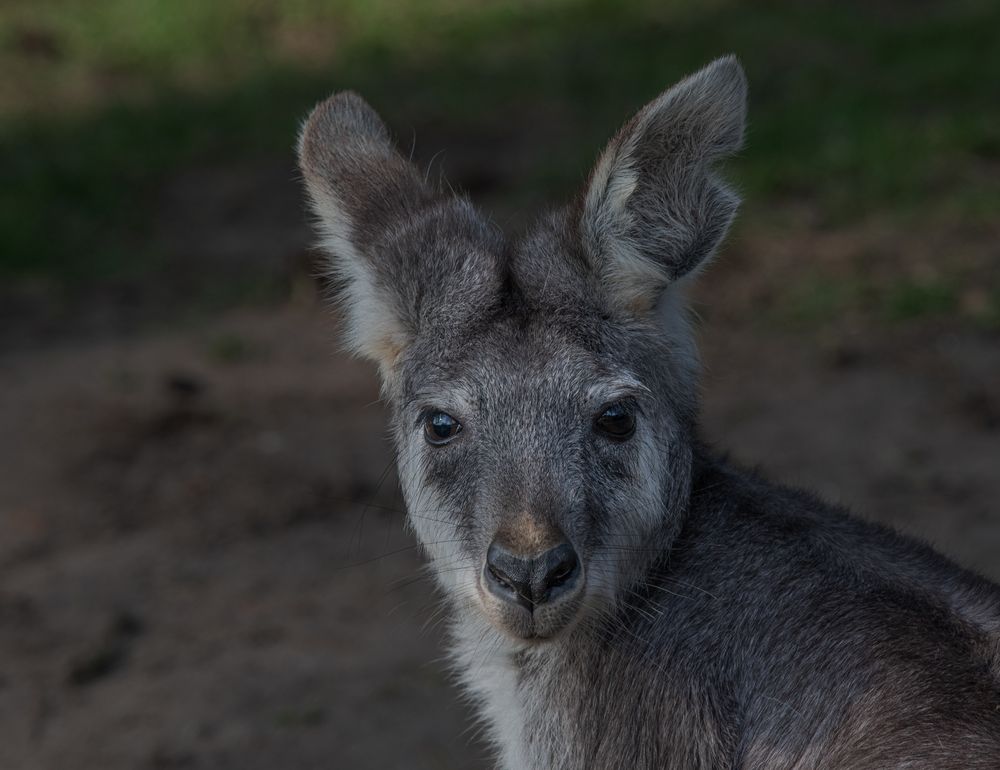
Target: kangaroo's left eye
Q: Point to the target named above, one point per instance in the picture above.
(617, 421)
(440, 428)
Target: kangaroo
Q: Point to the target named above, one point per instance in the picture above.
(621, 596)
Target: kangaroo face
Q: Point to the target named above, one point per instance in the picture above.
(531, 462)
(542, 391)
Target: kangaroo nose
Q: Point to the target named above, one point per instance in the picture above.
(531, 581)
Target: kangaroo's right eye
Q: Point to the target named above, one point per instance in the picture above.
(616, 422)
(440, 428)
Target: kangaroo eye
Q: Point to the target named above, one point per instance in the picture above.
(617, 421)
(440, 428)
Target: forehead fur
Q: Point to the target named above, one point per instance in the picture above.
(546, 333)
(550, 269)
(526, 347)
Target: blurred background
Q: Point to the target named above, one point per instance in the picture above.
(202, 555)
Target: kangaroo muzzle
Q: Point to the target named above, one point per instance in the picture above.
(532, 581)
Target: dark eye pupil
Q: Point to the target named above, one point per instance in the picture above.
(441, 427)
(616, 421)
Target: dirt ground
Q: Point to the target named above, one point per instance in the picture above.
(203, 562)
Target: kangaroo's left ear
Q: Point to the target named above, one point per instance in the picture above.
(653, 209)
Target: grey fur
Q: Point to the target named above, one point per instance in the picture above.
(726, 622)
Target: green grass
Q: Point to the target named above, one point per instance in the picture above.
(79, 192)
(820, 300)
(911, 299)
(856, 113)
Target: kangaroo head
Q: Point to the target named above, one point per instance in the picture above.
(542, 390)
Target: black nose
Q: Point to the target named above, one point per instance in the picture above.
(531, 580)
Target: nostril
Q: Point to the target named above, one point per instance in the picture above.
(498, 576)
(562, 563)
(508, 575)
(562, 572)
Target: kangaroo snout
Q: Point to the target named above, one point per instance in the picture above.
(532, 581)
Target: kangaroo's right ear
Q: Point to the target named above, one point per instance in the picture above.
(407, 256)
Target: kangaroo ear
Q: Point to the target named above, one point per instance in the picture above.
(406, 256)
(653, 210)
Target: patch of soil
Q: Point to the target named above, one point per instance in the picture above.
(178, 579)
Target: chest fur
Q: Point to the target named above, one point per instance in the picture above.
(579, 704)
